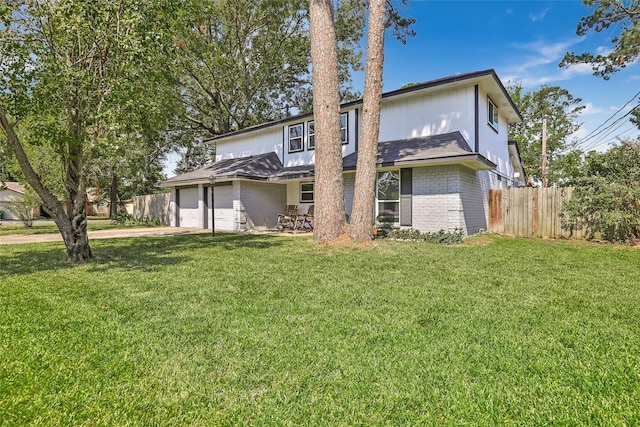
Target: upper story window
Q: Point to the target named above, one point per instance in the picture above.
(344, 127)
(296, 134)
(492, 114)
(311, 136)
(295, 138)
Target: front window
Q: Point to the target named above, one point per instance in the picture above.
(389, 196)
(295, 138)
(492, 116)
(344, 127)
(311, 135)
(306, 192)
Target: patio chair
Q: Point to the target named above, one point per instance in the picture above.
(307, 219)
(289, 217)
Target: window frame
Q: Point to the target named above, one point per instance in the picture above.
(312, 191)
(493, 113)
(311, 135)
(300, 137)
(345, 127)
(396, 218)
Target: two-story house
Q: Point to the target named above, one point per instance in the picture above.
(443, 146)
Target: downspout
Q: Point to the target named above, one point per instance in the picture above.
(477, 119)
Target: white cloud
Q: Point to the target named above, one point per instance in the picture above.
(603, 50)
(540, 16)
(575, 70)
(591, 109)
(540, 63)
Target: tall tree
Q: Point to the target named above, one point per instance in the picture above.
(363, 202)
(623, 17)
(244, 63)
(329, 189)
(561, 111)
(70, 65)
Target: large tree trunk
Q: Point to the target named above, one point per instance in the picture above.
(72, 223)
(74, 233)
(329, 191)
(362, 220)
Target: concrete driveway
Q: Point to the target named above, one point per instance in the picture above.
(103, 234)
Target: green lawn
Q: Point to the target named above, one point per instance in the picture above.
(48, 227)
(264, 330)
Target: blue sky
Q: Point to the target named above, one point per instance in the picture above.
(523, 41)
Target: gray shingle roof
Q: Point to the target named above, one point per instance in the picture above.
(444, 148)
(259, 167)
(449, 148)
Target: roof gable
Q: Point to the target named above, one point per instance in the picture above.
(488, 78)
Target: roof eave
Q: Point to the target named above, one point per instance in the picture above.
(473, 161)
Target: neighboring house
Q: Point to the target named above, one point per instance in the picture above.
(443, 146)
(96, 204)
(10, 191)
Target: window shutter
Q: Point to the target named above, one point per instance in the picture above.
(406, 191)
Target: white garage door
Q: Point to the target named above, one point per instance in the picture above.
(223, 212)
(189, 212)
(6, 214)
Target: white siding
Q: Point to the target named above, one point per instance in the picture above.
(250, 144)
(437, 113)
(307, 156)
(494, 145)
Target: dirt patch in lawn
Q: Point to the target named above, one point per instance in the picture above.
(480, 240)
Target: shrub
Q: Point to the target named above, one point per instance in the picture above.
(606, 199)
(128, 219)
(444, 237)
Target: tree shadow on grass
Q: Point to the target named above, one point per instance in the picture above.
(139, 253)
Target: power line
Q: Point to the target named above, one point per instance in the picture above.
(607, 130)
(595, 132)
(618, 136)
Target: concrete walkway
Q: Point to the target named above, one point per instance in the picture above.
(102, 234)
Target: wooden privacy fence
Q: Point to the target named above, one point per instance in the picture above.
(530, 212)
(152, 205)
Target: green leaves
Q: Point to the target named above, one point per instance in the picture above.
(607, 195)
(624, 17)
(561, 110)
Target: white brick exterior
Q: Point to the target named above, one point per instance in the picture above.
(258, 204)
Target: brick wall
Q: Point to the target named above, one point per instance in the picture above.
(475, 199)
(349, 180)
(436, 202)
(257, 204)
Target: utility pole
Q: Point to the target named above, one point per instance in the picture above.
(544, 153)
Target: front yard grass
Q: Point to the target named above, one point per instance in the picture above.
(264, 330)
(49, 227)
